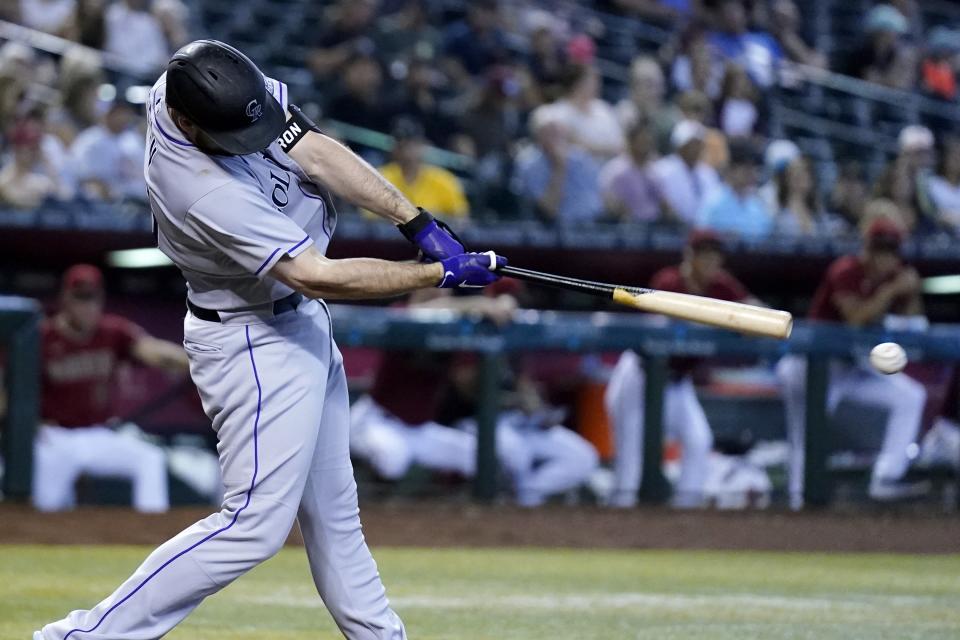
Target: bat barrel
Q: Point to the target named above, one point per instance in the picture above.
(735, 316)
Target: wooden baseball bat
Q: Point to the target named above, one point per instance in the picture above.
(736, 316)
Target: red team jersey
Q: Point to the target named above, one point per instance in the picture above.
(78, 376)
(724, 286)
(847, 275)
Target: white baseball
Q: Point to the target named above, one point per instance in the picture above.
(888, 357)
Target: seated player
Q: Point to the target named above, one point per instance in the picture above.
(541, 457)
(396, 425)
(81, 349)
(860, 290)
(700, 273)
(393, 427)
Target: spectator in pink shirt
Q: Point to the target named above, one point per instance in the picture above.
(629, 192)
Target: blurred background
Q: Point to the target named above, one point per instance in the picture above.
(802, 155)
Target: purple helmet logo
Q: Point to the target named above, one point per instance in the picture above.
(254, 110)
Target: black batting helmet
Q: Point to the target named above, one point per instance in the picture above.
(224, 93)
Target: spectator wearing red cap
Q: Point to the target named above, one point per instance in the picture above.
(700, 273)
(861, 290)
(28, 178)
(81, 350)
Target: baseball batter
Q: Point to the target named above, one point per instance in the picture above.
(234, 177)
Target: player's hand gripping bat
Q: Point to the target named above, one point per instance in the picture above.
(736, 316)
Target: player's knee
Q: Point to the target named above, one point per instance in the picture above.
(267, 524)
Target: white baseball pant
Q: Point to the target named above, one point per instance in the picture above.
(61, 456)
(276, 392)
(683, 418)
(392, 446)
(541, 462)
(902, 396)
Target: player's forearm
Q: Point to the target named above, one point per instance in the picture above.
(162, 354)
(355, 278)
(859, 311)
(346, 174)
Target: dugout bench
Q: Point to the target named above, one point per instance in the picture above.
(656, 340)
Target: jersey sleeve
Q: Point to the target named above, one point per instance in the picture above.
(278, 90)
(730, 288)
(844, 277)
(236, 220)
(124, 334)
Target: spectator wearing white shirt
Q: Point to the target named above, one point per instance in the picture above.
(26, 178)
(944, 187)
(646, 102)
(49, 16)
(684, 180)
(591, 121)
(107, 158)
(136, 36)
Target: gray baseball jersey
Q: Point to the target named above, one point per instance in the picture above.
(226, 220)
(272, 385)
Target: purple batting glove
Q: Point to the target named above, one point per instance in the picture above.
(471, 270)
(434, 239)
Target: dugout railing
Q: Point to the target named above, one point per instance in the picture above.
(532, 331)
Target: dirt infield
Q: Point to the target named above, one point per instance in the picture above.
(444, 525)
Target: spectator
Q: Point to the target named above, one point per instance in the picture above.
(590, 120)
(884, 57)
(425, 96)
(945, 185)
(849, 193)
(362, 102)
(860, 290)
(659, 11)
(734, 207)
(938, 69)
(79, 80)
(683, 179)
(430, 187)
(81, 350)
(799, 209)
(629, 190)
(173, 16)
(90, 25)
(904, 181)
(475, 44)
(560, 179)
(135, 36)
(28, 179)
(695, 67)
(784, 25)
(646, 102)
(346, 34)
(408, 33)
(547, 62)
(494, 122)
(697, 107)
(50, 16)
(107, 159)
(756, 51)
(738, 104)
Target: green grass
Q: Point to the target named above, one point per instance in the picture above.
(535, 594)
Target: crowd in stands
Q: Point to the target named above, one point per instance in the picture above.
(520, 91)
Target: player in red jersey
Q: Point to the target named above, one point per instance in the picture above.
(861, 290)
(81, 348)
(700, 273)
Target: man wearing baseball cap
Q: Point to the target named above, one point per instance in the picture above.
(81, 349)
(700, 273)
(682, 177)
(861, 290)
